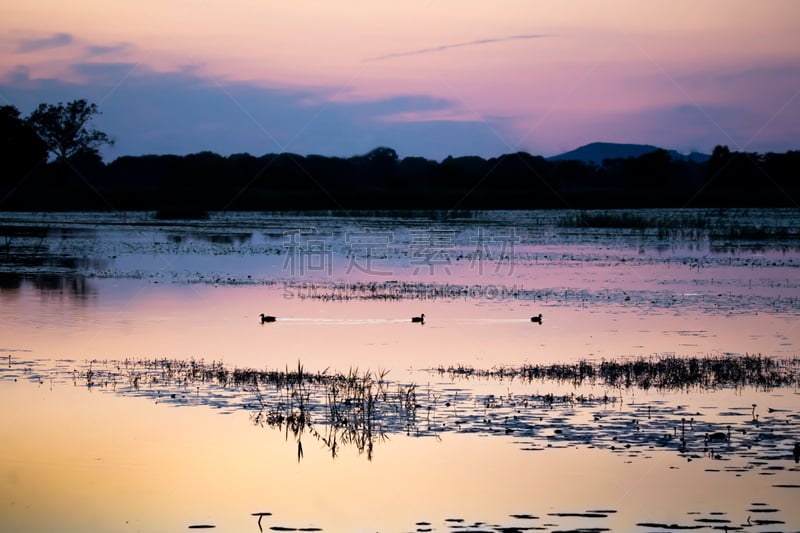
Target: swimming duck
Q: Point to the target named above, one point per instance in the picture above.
(716, 437)
(537, 319)
(420, 318)
(267, 318)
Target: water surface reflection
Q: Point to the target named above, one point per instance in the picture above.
(153, 398)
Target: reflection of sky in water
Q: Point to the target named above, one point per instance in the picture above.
(95, 288)
(74, 454)
(127, 318)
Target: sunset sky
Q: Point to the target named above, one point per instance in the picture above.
(431, 78)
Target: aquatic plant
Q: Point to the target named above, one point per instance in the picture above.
(360, 409)
(657, 372)
(395, 291)
(712, 224)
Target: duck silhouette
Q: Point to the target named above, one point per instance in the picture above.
(717, 436)
(420, 318)
(537, 319)
(267, 318)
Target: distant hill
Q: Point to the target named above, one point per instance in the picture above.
(598, 151)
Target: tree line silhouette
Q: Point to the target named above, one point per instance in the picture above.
(51, 161)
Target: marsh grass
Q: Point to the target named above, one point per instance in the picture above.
(359, 409)
(406, 290)
(691, 224)
(23, 245)
(356, 408)
(710, 301)
(665, 373)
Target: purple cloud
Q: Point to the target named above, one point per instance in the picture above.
(183, 112)
(102, 50)
(752, 107)
(56, 40)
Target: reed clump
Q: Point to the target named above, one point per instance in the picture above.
(657, 372)
(354, 408)
(712, 224)
(361, 408)
(397, 290)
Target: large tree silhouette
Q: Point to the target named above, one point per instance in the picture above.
(21, 150)
(65, 128)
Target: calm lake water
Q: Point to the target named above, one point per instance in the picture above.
(141, 392)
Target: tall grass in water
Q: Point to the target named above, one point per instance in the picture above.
(338, 409)
(692, 224)
(660, 373)
(359, 409)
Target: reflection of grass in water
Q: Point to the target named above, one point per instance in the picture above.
(406, 290)
(356, 408)
(359, 409)
(661, 373)
(708, 301)
(362, 405)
